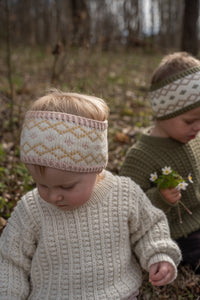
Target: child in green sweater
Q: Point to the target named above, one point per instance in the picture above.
(173, 144)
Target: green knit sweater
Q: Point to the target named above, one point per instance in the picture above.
(150, 154)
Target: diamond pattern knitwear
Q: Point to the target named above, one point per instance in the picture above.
(64, 141)
(176, 95)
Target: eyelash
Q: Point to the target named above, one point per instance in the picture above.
(62, 187)
(189, 122)
(67, 188)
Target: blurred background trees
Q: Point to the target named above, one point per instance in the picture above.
(190, 34)
(108, 23)
(107, 48)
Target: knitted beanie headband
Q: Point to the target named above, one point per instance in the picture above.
(64, 141)
(176, 95)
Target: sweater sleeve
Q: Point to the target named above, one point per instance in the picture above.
(139, 170)
(17, 246)
(150, 236)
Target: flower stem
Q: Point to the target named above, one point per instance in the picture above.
(179, 214)
(186, 208)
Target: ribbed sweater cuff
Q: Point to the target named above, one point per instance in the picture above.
(160, 258)
(4, 296)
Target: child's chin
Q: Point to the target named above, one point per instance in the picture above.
(64, 207)
(192, 137)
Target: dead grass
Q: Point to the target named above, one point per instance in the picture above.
(121, 78)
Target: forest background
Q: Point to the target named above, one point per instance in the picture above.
(107, 48)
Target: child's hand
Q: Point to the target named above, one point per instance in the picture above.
(161, 273)
(172, 195)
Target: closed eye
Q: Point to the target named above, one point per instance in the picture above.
(42, 186)
(189, 122)
(67, 187)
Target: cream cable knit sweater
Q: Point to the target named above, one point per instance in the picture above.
(87, 253)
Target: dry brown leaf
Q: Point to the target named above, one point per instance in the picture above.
(122, 138)
(2, 223)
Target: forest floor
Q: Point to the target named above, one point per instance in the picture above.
(122, 79)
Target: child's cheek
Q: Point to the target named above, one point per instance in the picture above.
(42, 194)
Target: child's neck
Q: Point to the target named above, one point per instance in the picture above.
(157, 132)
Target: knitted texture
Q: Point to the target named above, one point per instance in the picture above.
(83, 254)
(150, 154)
(64, 141)
(176, 96)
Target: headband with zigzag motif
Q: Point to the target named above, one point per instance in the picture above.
(176, 95)
(64, 141)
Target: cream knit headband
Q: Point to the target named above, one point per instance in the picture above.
(178, 94)
(64, 141)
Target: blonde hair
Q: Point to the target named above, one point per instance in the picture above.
(172, 64)
(81, 105)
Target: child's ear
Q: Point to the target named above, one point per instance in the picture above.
(99, 176)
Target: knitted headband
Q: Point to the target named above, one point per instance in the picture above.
(64, 141)
(176, 95)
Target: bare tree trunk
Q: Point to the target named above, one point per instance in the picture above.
(132, 19)
(46, 16)
(37, 22)
(189, 41)
(58, 46)
(81, 21)
(9, 65)
(178, 18)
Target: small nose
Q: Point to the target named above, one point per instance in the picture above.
(54, 196)
(197, 126)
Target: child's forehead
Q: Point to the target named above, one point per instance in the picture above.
(48, 170)
(36, 169)
(193, 113)
(57, 176)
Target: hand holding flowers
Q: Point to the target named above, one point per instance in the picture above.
(171, 195)
(170, 183)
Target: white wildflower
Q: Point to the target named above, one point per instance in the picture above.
(153, 176)
(190, 178)
(182, 186)
(166, 170)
